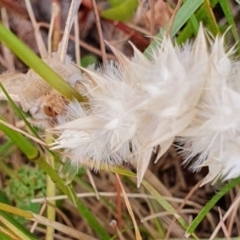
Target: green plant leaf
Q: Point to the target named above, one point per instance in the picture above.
(88, 60)
(29, 182)
(115, 3)
(4, 198)
(121, 12)
(3, 236)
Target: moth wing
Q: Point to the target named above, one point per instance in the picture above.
(13, 84)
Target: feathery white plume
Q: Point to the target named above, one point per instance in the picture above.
(103, 131)
(213, 135)
(136, 105)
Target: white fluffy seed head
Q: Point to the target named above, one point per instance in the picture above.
(135, 105)
(212, 137)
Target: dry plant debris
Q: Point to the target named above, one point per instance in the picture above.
(168, 177)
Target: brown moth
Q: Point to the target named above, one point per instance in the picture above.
(31, 91)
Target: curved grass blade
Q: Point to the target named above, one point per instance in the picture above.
(184, 13)
(12, 224)
(22, 143)
(18, 111)
(168, 207)
(4, 148)
(204, 14)
(229, 16)
(223, 191)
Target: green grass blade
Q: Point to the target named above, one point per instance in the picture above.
(168, 207)
(223, 191)
(3, 236)
(208, 18)
(15, 227)
(182, 16)
(34, 62)
(18, 111)
(70, 192)
(204, 14)
(228, 14)
(22, 143)
(195, 25)
(4, 148)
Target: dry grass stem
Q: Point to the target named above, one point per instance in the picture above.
(234, 205)
(35, 223)
(7, 54)
(93, 184)
(100, 34)
(54, 16)
(130, 211)
(38, 37)
(152, 21)
(62, 228)
(81, 43)
(77, 41)
(23, 132)
(70, 19)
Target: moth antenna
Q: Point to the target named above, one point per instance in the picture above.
(12, 83)
(62, 51)
(40, 43)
